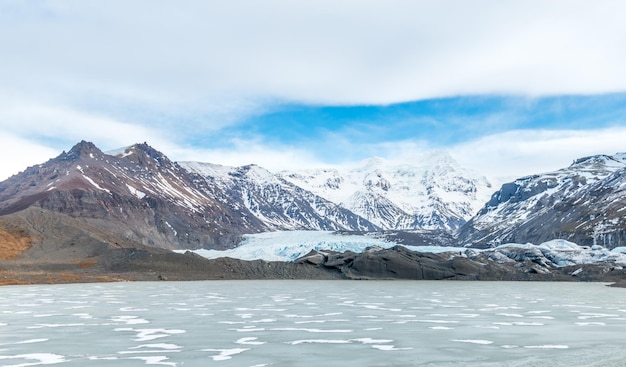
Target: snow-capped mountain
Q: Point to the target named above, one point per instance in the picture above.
(142, 195)
(434, 194)
(278, 204)
(583, 203)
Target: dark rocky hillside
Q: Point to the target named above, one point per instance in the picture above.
(141, 196)
(40, 246)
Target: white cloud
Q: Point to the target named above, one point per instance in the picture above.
(118, 73)
(18, 154)
(323, 51)
(244, 152)
(524, 152)
(53, 122)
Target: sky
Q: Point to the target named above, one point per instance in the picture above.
(508, 88)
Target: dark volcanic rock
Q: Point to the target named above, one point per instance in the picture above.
(400, 263)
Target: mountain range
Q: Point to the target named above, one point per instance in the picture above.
(99, 213)
(143, 196)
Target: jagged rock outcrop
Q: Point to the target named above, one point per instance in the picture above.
(400, 263)
(547, 263)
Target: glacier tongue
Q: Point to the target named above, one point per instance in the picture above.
(291, 245)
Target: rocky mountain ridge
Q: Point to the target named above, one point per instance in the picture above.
(278, 204)
(93, 214)
(139, 192)
(583, 203)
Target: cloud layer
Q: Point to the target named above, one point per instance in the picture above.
(325, 51)
(185, 76)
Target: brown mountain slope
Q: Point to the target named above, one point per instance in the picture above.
(48, 247)
(13, 244)
(140, 195)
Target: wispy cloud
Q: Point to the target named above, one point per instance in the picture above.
(18, 154)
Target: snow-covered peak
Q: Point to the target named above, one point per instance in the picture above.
(563, 203)
(599, 163)
(120, 152)
(620, 156)
(432, 192)
(209, 169)
(258, 175)
(372, 163)
(251, 173)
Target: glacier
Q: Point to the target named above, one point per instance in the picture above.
(291, 245)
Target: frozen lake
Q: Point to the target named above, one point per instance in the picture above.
(313, 323)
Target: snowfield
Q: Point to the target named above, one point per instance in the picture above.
(291, 245)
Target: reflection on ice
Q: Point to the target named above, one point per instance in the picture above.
(151, 334)
(546, 347)
(249, 341)
(34, 359)
(388, 347)
(313, 330)
(155, 360)
(29, 341)
(440, 328)
(129, 320)
(473, 341)
(225, 354)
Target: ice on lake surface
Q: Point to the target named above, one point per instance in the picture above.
(313, 323)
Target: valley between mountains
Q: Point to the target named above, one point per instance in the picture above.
(134, 214)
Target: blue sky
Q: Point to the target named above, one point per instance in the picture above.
(444, 121)
(509, 88)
